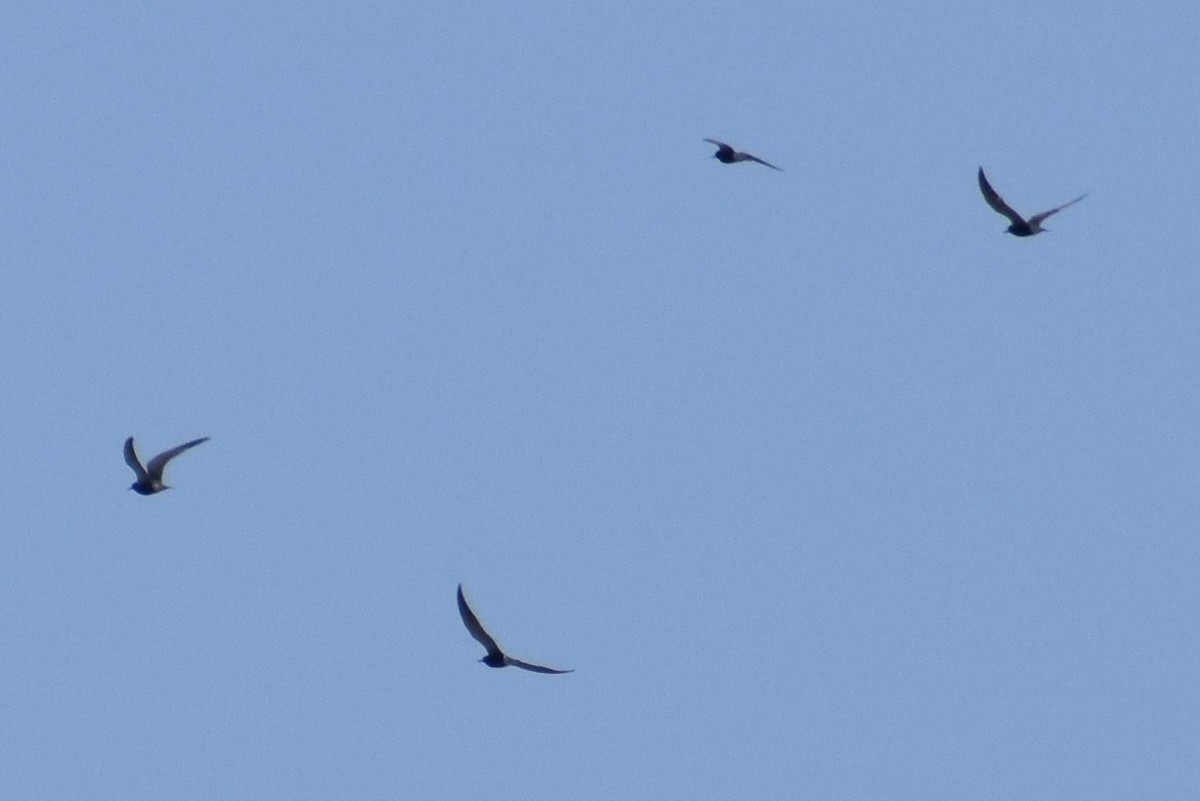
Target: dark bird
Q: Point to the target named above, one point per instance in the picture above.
(1020, 226)
(495, 657)
(150, 477)
(727, 155)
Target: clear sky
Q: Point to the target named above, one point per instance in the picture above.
(826, 487)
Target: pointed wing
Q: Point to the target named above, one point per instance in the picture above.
(534, 668)
(159, 463)
(723, 149)
(132, 460)
(1037, 218)
(474, 626)
(996, 202)
(760, 161)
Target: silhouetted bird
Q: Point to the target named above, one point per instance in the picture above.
(1020, 226)
(150, 477)
(495, 657)
(727, 155)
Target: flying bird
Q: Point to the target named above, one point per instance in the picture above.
(727, 155)
(150, 477)
(495, 657)
(1020, 226)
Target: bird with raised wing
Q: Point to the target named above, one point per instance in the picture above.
(150, 477)
(1020, 226)
(495, 657)
(727, 155)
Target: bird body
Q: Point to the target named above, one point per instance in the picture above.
(495, 660)
(1020, 226)
(495, 657)
(727, 155)
(150, 478)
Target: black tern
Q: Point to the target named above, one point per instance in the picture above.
(150, 477)
(727, 155)
(495, 657)
(1020, 226)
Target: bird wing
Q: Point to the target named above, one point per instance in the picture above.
(724, 150)
(159, 463)
(475, 627)
(1037, 218)
(760, 161)
(132, 460)
(996, 202)
(534, 668)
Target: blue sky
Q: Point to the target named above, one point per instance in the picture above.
(826, 487)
